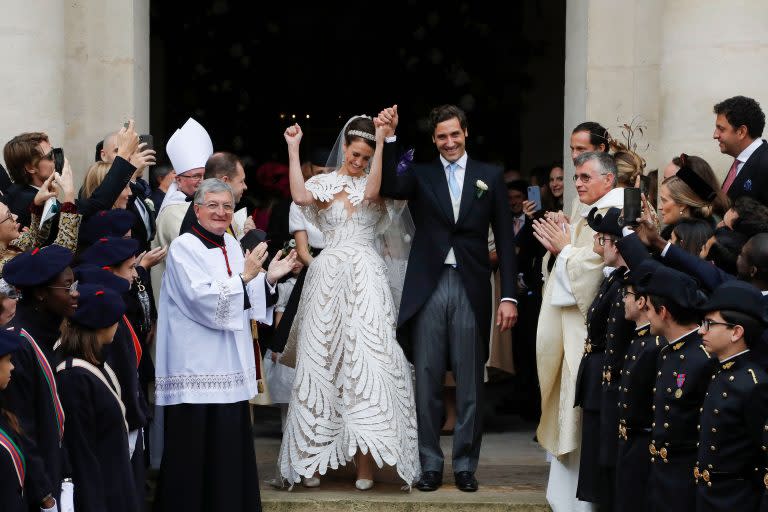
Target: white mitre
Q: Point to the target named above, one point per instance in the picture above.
(189, 148)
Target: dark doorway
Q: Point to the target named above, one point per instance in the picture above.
(244, 70)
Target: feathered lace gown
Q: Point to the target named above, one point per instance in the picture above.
(353, 389)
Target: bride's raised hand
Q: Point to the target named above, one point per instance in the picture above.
(293, 135)
(382, 129)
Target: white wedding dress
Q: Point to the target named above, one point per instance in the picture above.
(353, 388)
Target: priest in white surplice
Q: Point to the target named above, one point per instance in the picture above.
(205, 368)
(568, 294)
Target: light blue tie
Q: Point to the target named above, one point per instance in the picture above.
(453, 183)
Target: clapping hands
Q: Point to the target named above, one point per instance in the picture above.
(553, 232)
(149, 259)
(280, 266)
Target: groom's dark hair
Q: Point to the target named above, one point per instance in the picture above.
(446, 112)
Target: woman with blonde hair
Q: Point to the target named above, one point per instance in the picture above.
(95, 175)
(630, 165)
(702, 169)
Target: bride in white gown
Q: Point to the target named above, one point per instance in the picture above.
(353, 394)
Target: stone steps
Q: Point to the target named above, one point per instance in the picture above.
(512, 474)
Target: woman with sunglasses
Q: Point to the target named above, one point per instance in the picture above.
(48, 295)
(14, 241)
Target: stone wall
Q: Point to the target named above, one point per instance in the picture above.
(666, 62)
(75, 70)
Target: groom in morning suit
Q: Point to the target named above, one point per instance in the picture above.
(446, 303)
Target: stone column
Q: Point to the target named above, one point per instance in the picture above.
(612, 56)
(75, 70)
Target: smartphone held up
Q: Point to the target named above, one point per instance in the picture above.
(534, 195)
(58, 159)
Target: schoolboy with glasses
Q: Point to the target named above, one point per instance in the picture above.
(730, 466)
(683, 373)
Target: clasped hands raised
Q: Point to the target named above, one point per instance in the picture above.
(385, 124)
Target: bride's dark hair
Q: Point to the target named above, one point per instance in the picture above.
(361, 128)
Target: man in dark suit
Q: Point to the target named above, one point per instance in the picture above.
(446, 302)
(527, 248)
(738, 130)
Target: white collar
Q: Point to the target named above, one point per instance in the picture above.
(744, 155)
(614, 198)
(607, 271)
(734, 355)
(683, 336)
(461, 162)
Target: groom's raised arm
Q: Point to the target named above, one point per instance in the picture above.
(503, 232)
(395, 186)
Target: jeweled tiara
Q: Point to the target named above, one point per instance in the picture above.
(359, 133)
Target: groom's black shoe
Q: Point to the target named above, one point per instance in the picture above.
(466, 481)
(430, 481)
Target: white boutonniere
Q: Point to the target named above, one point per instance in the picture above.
(150, 204)
(480, 188)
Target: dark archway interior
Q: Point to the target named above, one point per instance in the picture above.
(237, 66)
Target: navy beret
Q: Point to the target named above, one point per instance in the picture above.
(106, 223)
(110, 251)
(38, 266)
(98, 307)
(740, 297)
(93, 274)
(10, 341)
(673, 285)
